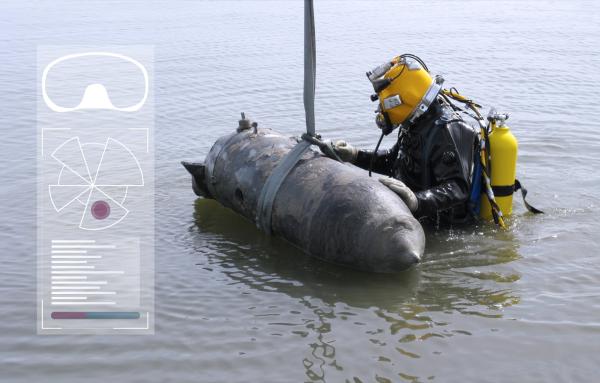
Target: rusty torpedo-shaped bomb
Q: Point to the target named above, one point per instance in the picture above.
(331, 210)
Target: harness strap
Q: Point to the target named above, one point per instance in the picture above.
(507, 190)
(503, 191)
(530, 208)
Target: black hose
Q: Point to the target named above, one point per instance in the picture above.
(375, 153)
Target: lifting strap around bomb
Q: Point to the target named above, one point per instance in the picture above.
(267, 195)
(273, 183)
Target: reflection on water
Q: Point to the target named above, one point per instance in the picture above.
(406, 303)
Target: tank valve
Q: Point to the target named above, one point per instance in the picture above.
(498, 118)
(245, 124)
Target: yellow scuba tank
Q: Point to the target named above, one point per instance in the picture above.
(502, 162)
(494, 176)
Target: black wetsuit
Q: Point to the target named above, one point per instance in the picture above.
(434, 158)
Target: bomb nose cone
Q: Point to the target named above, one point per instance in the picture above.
(403, 243)
(402, 262)
(406, 258)
(414, 258)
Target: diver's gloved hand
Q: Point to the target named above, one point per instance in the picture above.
(345, 151)
(398, 187)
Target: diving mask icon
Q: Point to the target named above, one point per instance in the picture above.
(95, 95)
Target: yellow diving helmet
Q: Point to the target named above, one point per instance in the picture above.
(405, 90)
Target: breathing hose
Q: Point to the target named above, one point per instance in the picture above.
(375, 153)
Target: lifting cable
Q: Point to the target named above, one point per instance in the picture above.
(273, 183)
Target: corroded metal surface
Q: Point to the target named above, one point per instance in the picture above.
(331, 210)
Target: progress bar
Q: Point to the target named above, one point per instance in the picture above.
(95, 315)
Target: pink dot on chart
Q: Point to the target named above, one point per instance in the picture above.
(100, 209)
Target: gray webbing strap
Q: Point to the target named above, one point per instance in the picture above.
(310, 66)
(264, 206)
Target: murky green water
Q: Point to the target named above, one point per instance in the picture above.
(235, 305)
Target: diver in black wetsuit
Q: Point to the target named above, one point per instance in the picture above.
(431, 163)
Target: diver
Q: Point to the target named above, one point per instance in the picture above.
(431, 165)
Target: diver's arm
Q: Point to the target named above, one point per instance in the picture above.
(441, 197)
(452, 187)
(383, 160)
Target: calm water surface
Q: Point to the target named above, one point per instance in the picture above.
(234, 305)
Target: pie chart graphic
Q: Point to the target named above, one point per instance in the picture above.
(94, 181)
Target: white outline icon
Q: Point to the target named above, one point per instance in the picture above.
(95, 96)
(88, 183)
